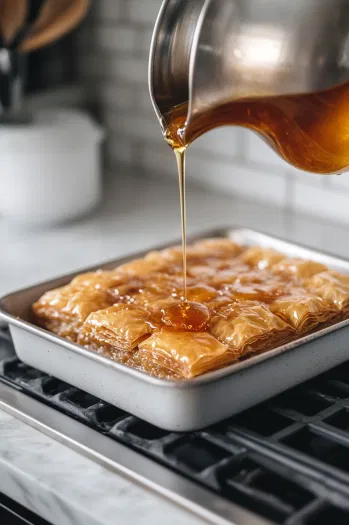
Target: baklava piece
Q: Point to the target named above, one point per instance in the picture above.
(249, 327)
(217, 248)
(331, 286)
(63, 310)
(202, 250)
(120, 326)
(201, 293)
(146, 292)
(142, 268)
(185, 354)
(261, 258)
(298, 268)
(99, 280)
(257, 285)
(303, 310)
(228, 273)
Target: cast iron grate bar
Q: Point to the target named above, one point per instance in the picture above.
(12, 513)
(297, 474)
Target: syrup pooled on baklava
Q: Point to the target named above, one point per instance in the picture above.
(185, 315)
(240, 302)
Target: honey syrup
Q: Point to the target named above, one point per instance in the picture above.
(310, 131)
(186, 315)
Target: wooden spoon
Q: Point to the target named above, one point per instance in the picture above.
(56, 18)
(13, 14)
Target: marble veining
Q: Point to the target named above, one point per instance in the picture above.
(67, 488)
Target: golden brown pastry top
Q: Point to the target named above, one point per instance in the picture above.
(239, 301)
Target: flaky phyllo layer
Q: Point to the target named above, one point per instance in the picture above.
(251, 300)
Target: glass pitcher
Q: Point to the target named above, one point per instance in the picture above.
(278, 67)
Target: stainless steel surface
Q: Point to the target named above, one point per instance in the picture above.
(209, 52)
(123, 460)
(180, 405)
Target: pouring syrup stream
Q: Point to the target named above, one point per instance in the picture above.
(180, 157)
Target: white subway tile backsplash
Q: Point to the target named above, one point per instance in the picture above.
(91, 66)
(136, 126)
(158, 160)
(129, 69)
(323, 202)
(306, 178)
(109, 9)
(119, 150)
(116, 37)
(236, 178)
(144, 103)
(143, 11)
(339, 182)
(114, 98)
(312, 178)
(145, 40)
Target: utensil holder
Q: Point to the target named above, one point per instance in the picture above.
(12, 75)
(50, 169)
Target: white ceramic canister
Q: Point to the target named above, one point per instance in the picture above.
(50, 170)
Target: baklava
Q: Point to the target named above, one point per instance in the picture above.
(239, 302)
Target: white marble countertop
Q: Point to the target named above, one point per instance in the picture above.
(45, 476)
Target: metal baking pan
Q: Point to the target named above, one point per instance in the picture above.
(179, 405)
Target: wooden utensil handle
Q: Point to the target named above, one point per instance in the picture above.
(12, 17)
(57, 18)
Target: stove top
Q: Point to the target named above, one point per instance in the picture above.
(285, 461)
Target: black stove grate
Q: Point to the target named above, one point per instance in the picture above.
(286, 459)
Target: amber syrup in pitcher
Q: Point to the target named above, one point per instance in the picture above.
(310, 131)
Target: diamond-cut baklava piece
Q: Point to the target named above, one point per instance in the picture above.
(201, 293)
(332, 286)
(265, 293)
(98, 280)
(153, 262)
(303, 310)
(257, 285)
(228, 274)
(201, 271)
(261, 257)
(298, 268)
(248, 327)
(128, 291)
(218, 248)
(203, 250)
(158, 287)
(121, 326)
(173, 257)
(69, 307)
(187, 354)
